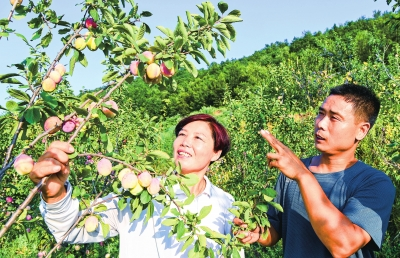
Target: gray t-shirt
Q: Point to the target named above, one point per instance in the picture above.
(364, 194)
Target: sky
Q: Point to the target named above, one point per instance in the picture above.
(264, 22)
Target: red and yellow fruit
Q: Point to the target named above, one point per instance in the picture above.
(90, 24)
(91, 44)
(167, 72)
(60, 68)
(23, 164)
(68, 126)
(136, 190)
(153, 71)
(144, 179)
(52, 122)
(134, 67)
(48, 85)
(129, 181)
(123, 172)
(55, 76)
(150, 57)
(104, 167)
(107, 111)
(154, 186)
(91, 223)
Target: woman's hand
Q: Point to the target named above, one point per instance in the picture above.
(54, 165)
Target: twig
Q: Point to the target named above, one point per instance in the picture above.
(11, 12)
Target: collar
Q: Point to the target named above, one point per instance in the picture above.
(207, 189)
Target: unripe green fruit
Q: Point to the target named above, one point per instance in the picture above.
(91, 223)
(107, 111)
(48, 85)
(60, 68)
(154, 186)
(123, 172)
(52, 122)
(129, 181)
(150, 56)
(23, 164)
(80, 43)
(91, 44)
(153, 71)
(144, 179)
(136, 190)
(104, 167)
(55, 76)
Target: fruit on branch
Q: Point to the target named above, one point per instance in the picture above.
(144, 179)
(154, 186)
(108, 112)
(60, 68)
(13, 1)
(68, 126)
(123, 172)
(107, 255)
(9, 199)
(48, 85)
(80, 44)
(90, 24)
(104, 167)
(52, 122)
(23, 164)
(77, 247)
(91, 44)
(55, 76)
(152, 81)
(167, 72)
(129, 181)
(136, 190)
(91, 223)
(150, 57)
(28, 217)
(153, 71)
(134, 67)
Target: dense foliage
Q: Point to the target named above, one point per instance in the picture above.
(279, 88)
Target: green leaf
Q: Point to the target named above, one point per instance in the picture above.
(189, 200)
(170, 222)
(4, 22)
(137, 213)
(165, 211)
(72, 63)
(221, 47)
(188, 242)
(37, 34)
(180, 30)
(222, 6)
(234, 13)
(80, 111)
(8, 75)
(178, 43)
(234, 212)
(159, 154)
(100, 208)
(235, 253)
(22, 216)
(11, 81)
(95, 15)
(190, 179)
(145, 197)
(190, 67)
(146, 14)
(169, 33)
(45, 41)
(200, 55)
(12, 105)
(105, 228)
(232, 32)
(49, 100)
(150, 211)
(180, 229)
(32, 115)
(18, 94)
(202, 240)
(82, 59)
(262, 207)
(64, 31)
(204, 212)
(276, 206)
(109, 76)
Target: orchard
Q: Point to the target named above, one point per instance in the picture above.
(42, 109)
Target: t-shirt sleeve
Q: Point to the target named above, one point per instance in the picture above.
(370, 206)
(275, 216)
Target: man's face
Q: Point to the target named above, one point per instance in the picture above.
(336, 129)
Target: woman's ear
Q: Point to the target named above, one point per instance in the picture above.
(216, 155)
(362, 131)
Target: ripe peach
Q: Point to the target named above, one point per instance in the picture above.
(123, 172)
(55, 76)
(23, 164)
(80, 43)
(129, 181)
(48, 84)
(104, 167)
(108, 112)
(153, 71)
(134, 67)
(91, 223)
(90, 23)
(154, 186)
(52, 122)
(167, 72)
(60, 68)
(136, 190)
(68, 126)
(150, 56)
(144, 179)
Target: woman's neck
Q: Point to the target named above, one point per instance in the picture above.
(199, 187)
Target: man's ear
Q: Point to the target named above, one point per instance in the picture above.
(216, 155)
(362, 130)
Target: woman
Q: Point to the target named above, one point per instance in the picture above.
(200, 140)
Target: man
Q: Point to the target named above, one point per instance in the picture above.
(334, 205)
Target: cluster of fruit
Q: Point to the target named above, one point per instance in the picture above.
(49, 84)
(66, 126)
(154, 72)
(88, 40)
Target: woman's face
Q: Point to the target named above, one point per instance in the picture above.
(194, 148)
